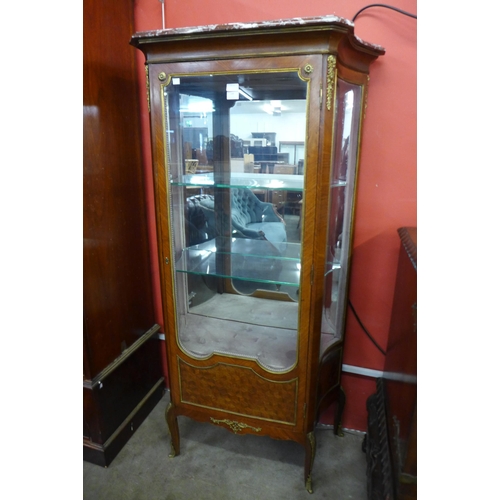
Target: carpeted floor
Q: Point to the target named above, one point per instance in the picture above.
(215, 464)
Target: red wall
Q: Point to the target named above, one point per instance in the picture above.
(387, 185)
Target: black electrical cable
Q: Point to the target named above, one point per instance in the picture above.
(349, 302)
(364, 328)
(385, 6)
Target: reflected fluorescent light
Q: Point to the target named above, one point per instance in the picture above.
(273, 108)
(275, 183)
(268, 109)
(233, 91)
(199, 107)
(91, 111)
(349, 100)
(200, 179)
(245, 94)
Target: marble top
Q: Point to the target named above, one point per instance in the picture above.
(319, 21)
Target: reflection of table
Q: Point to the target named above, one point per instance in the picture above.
(275, 167)
(266, 166)
(290, 201)
(286, 169)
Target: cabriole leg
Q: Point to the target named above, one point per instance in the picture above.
(173, 428)
(310, 453)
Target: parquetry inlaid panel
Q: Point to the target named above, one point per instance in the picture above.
(238, 390)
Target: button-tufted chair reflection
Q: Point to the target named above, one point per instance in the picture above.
(251, 218)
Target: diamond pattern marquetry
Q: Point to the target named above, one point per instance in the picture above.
(238, 390)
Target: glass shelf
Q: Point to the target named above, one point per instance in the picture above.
(286, 182)
(243, 259)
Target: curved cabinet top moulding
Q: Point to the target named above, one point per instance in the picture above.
(325, 34)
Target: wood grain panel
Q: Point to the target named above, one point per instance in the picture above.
(117, 290)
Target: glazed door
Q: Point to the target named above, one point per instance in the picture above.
(235, 207)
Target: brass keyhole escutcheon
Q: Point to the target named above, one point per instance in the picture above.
(162, 76)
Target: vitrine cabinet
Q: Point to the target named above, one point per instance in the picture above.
(254, 290)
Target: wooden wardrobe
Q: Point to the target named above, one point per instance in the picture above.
(122, 373)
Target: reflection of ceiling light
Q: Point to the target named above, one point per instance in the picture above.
(234, 91)
(201, 179)
(274, 183)
(274, 108)
(267, 108)
(276, 105)
(349, 99)
(198, 107)
(245, 94)
(92, 111)
(201, 107)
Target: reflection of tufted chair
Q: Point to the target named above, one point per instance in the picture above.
(256, 219)
(200, 219)
(251, 218)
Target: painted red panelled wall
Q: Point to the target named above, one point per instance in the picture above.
(387, 185)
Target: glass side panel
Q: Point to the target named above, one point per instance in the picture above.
(235, 209)
(342, 180)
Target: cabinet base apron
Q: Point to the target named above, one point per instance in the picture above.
(308, 441)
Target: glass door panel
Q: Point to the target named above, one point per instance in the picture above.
(342, 178)
(235, 210)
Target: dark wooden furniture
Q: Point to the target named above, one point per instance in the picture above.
(255, 329)
(122, 374)
(391, 440)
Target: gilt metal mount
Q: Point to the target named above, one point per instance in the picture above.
(330, 79)
(235, 426)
